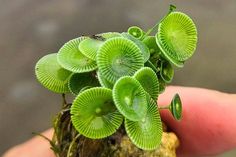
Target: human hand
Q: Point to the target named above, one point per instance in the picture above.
(36, 147)
(208, 125)
(207, 128)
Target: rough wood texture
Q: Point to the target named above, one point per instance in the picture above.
(167, 148)
(67, 143)
(120, 146)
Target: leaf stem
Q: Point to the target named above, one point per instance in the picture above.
(65, 110)
(71, 145)
(64, 99)
(171, 9)
(38, 134)
(164, 107)
(149, 63)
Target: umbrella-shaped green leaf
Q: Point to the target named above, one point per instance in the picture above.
(89, 47)
(176, 107)
(136, 32)
(146, 133)
(149, 81)
(177, 37)
(51, 75)
(70, 57)
(109, 35)
(130, 98)
(104, 82)
(118, 57)
(144, 49)
(94, 114)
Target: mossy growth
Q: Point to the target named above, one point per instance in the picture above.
(116, 79)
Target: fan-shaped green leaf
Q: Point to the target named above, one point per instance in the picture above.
(130, 98)
(177, 37)
(51, 75)
(80, 80)
(70, 58)
(136, 32)
(109, 35)
(149, 81)
(144, 49)
(176, 107)
(89, 47)
(94, 114)
(85, 88)
(147, 133)
(118, 57)
(103, 82)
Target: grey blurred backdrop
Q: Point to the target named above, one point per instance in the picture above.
(30, 29)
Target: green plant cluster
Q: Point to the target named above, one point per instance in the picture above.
(117, 77)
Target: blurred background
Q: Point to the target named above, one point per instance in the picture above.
(30, 29)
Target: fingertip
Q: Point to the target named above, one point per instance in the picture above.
(206, 126)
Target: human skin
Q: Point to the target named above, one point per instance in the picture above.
(208, 125)
(36, 147)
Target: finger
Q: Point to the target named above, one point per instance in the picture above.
(208, 124)
(36, 147)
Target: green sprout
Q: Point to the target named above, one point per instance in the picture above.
(175, 107)
(116, 79)
(136, 32)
